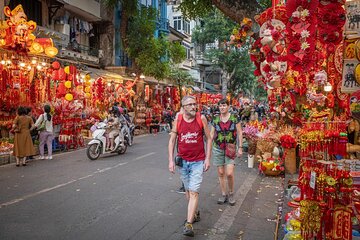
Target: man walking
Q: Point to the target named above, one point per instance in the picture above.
(189, 129)
(226, 128)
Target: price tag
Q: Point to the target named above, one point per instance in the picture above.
(313, 180)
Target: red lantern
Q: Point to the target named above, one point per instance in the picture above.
(72, 69)
(55, 75)
(61, 90)
(55, 65)
(62, 74)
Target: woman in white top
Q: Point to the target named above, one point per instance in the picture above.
(45, 132)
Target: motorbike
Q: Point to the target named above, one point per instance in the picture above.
(97, 145)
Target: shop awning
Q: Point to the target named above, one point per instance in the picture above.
(196, 89)
(210, 87)
(107, 75)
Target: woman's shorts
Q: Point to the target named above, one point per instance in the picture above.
(219, 158)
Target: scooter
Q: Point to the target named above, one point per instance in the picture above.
(97, 145)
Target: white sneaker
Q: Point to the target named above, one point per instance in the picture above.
(46, 157)
(41, 157)
(50, 157)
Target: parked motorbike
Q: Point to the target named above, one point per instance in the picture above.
(97, 145)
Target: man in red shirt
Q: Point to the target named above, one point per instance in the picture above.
(189, 129)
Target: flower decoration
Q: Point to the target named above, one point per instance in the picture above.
(301, 34)
(288, 141)
(250, 132)
(239, 35)
(272, 164)
(332, 19)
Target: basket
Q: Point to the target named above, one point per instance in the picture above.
(272, 173)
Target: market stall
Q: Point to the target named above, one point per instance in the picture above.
(308, 70)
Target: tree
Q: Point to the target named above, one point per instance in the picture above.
(181, 78)
(237, 69)
(128, 9)
(152, 56)
(234, 9)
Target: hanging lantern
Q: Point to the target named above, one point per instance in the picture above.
(51, 51)
(87, 77)
(72, 69)
(68, 84)
(69, 97)
(36, 48)
(87, 95)
(55, 75)
(55, 65)
(67, 69)
(87, 89)
(87, 83)
(62, 74)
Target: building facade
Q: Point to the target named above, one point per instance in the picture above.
(206, 75)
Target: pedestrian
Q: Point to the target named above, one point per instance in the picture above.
(113, 128)
(33, 132)
(182, 188)
(44, 124)
(192, 158)
(23, 146)
(225, 131)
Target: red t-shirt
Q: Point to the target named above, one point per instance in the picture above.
(190, 141)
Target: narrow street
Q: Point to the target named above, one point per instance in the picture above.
(130, 196)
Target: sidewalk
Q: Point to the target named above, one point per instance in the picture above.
(258, 214)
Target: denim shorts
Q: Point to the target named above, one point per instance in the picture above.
(219, 158)
(192, 175)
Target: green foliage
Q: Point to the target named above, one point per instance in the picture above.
(192, 9)
(153, 56)
(215, 27)
(177, 52)
(180, 77)
(229, 59)
(130, 6)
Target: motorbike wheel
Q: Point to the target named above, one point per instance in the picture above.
(122, 150)
(93, 151)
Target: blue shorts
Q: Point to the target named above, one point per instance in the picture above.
(192, 175)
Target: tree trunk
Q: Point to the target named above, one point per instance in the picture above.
(238, 9)
(180, 91)
(225, 76)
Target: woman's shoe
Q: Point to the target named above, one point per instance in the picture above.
(24, 164)
(18, 165)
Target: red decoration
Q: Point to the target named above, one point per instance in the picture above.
(55, 65)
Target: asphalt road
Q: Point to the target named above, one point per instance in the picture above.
(130, 196)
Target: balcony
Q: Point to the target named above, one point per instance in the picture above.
(88, 9)
(59, 39)
(162, 25)
(201, 60)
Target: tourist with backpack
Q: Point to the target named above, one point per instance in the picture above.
(192, 157)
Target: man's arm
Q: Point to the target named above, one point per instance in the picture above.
(208, 143)
(240, 138)
(172, 142)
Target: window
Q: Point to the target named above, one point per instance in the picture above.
(177, 23)
(187, 49)
(186, 27)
